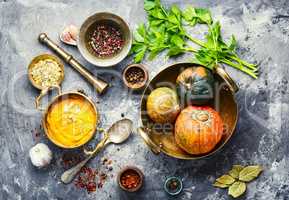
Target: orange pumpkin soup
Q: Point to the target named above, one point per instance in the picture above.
(71, 121)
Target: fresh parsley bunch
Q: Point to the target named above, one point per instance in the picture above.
(166, 31)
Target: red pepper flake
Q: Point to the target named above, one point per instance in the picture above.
(130, 179)
(106, 40)
(86, 179)
(90, 179)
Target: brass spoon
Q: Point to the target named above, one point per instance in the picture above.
(117, 133)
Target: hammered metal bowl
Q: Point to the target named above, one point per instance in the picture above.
(86, 31)
(163, 140)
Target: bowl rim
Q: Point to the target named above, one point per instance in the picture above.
(83, 50)
(133, 168)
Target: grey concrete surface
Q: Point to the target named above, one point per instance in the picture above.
(261, 135)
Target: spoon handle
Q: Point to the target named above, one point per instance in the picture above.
(69, 174)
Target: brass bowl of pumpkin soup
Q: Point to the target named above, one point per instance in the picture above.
(70, 120)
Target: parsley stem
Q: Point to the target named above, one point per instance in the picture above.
(190, 49)
(199, 42)
(249, 65)
(240, 67)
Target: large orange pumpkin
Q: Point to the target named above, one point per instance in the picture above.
(198, 129)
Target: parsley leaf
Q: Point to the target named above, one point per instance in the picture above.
(166, 31)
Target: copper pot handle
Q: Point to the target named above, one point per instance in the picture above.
(144, 134)
(43, 93)
(229, 81)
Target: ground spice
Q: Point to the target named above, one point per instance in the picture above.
(135, 75)
(106, 40)
(130, 179)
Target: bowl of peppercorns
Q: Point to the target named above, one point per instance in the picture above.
(130, 179)
(104, 39)
(135, 76)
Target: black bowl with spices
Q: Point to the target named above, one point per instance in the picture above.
(104, 39)
(130, 179)
(135, 76)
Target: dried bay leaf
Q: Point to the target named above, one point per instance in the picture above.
(226, 179)
(237, 189)
(235, 171)
(250, 173)
(220, 185)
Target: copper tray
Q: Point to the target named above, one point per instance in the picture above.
(224, 102)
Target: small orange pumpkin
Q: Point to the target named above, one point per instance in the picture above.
(198, 129)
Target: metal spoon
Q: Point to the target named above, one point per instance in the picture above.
(117, 133)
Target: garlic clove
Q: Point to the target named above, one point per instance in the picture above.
(40, 155)
(69, 35)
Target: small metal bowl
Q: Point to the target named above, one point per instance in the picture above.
(87, 29)
(175, 191)
(44, 57)
(135, 170)
(135, 86)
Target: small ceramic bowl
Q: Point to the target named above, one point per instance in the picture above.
(134, 170)
(178, 187)
(86, 31)
(128, 70)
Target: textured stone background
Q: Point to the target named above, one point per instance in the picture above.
(261, 136)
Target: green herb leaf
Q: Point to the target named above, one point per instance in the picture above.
(197, 15)
(140, 55)
(173, 19)
(189, 13)
(177, 41)
(250, 173)
(204, 15)
(176, 11)
(232, 44)
(175, 50)
(220, 185)
(148, 5)
(234, 172)
(226, 179)
(138, 37)
(237, 189)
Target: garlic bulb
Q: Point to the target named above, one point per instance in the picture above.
(69, 35)
(40, 155)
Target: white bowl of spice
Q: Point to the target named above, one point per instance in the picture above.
(104, 39)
